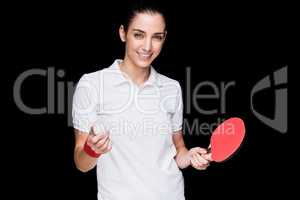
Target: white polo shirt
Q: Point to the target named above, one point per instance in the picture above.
(140, 121)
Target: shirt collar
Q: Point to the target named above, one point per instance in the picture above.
(124, 78)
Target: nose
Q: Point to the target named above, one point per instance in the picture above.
(147, 44)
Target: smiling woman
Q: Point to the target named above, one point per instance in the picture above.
(144, 33)
(134, 162)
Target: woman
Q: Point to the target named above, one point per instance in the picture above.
(140, 148)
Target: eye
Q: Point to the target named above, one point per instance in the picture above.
(138, 35)
(158, 37)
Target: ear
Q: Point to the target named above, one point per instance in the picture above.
(122, 33)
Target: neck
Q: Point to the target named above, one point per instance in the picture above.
(138, 75)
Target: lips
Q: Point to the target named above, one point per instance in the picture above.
(144, 56)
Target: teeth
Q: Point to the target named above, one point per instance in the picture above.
(144, 55)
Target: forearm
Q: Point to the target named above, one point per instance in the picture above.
(83, 161)
(181, 158)
(181, 151)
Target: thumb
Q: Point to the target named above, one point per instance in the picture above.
(200, 150)
(92, 131)
(207, 157)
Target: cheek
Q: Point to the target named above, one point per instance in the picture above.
(157, 47)
(133, 45)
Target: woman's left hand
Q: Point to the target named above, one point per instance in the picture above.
(197, 160)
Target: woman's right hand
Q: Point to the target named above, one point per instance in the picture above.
(100, 143)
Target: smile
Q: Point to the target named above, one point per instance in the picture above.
(144, 56)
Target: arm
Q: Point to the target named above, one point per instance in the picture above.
(180, 158)
(99, 143)
(185, 157)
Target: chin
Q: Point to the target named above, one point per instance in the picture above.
(143, 63)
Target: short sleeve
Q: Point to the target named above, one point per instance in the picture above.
(177, 116)
(84, 105)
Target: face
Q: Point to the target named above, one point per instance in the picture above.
(144, 38)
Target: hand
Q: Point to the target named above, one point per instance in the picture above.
(100, 143)
(197, 158)
(207, 156)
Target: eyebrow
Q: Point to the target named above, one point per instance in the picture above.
(158, 33)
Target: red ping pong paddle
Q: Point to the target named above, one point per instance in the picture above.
(226, 139)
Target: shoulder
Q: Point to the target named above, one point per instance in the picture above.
(107, 73)
(90, 77)
(89, 80)
(93, 77)
(168, 82)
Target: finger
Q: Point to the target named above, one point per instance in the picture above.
(100, 149)
(207, 157)
(103, 148)
(196, 161)
(200, 150)
(89, 140)
(109, 147)
(193, 163)
(98, 137)
(202, 168)
(201, 160)
(196, 166)
(93, 132)
(101, 142)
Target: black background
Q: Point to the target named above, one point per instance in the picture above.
(241, 43)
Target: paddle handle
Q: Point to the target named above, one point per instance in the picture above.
(208, 151)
